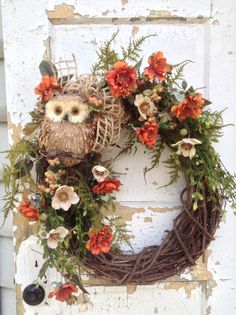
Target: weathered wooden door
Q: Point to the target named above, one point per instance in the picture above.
(203, 31)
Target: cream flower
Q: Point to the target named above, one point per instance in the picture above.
(64, 197)
(100, 173)
(55, 236)
(145, 105)
(186, 147)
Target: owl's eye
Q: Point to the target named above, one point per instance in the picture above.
(55, 110)
(75, 111)
(58, 110)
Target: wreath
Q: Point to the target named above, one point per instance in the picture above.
(75, 119)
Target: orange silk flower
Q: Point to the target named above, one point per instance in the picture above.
(29, 211)
(65, 293)
(121, 79)
(100, 242)
(47, 87)
(158, 66)
(191, 107)
(148, 134)
(108, 186)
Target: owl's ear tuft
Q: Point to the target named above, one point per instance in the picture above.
(48, 68)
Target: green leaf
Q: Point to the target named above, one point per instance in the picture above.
(195, 205)
(138, 64)
(43, 269)
(184, 85)
(207, 102)
(47, 68)
(179, 97)
(23, 167)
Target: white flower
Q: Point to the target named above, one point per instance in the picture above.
(100, 173)
(55, 236)
(186, 147)
(145, 105)
(64, 197)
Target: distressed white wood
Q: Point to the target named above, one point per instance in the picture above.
(202, 31)
(7, 286)
(8, 301)
(6, 259)
(132, 8)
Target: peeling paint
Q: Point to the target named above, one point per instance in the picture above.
(19, 301)
(47, 54)
(131, 288)
(105, 13)
(126, 213)
(63, 11)
(135, 30)
(188, 287)
(14, 130)
(162, 13)
(124, 2)
(147, 219)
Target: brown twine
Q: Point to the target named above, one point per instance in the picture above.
(191, 235)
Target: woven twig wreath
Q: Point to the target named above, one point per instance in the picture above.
(75, 120)
(180, 248)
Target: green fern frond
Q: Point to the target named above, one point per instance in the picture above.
(129, 145)
(120, 235)
(155, 155)
(173, 164)
(106, 56)
(178, 73)
(132, 52)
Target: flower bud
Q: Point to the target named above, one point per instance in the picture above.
(183, 132)
(43, 217)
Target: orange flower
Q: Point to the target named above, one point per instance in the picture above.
(100, 242)
(121, 79)
(158, 66)
(28, 210)
(191, 107)
(64, 293)
(47, 87)
(148, 134)
(108, 186)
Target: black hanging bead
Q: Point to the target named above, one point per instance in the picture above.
(33, 294)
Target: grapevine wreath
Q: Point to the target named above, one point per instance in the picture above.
(75, 119)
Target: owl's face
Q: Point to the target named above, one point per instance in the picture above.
(59, 109)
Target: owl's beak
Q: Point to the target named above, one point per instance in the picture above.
(65, 117)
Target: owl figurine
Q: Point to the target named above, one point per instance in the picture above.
(64, 131)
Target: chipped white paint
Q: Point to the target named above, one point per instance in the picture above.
(186, 29)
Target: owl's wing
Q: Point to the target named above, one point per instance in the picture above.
(109, 124)
(44, 133)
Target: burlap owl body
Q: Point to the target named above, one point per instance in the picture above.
(64, 131)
